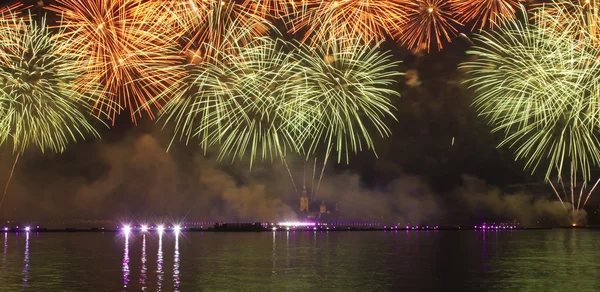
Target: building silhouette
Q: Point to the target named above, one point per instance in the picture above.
(323, 208)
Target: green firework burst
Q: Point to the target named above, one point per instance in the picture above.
(539, 86)
(43, 101)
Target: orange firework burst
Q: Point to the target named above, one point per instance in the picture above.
(203, 27)
(8, 13)
(369, 20)
(490, 13)
(175, 16)
(224, 25)
(13, 7)
(122, 49)
(269, 8)
(582, 17)
(428, 21)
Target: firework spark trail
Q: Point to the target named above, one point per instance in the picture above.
(576, 207)
(291, 176)
(558, 195)
(304, 174)
(312, 182)
(590, 193)
(9, 179)
(9, 14)
(322, 171)
(490, 13)
(573, 183)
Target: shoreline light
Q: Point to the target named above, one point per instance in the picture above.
(176, 228)
(126, 228)
(296, 224)
(160, 228)
(144, 228)
(27, 228)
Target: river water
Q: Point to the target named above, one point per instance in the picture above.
(518, 260)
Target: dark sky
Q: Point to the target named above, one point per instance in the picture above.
(418, 175)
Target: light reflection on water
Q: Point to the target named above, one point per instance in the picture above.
(159, 263)
(547, 260)
(126, 262)
(144, 268)
(176, 263)
(26, 262)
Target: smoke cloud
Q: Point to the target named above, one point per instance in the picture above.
(135, 178)
(492, 205)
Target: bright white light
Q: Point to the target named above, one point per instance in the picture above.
(274, 228)
(176, 228)
(5, 228)
(27, 228)
(126, 228)
(160, 228)
(296, 224)
(144, 228)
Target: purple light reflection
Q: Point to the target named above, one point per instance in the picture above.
(26, 262)
(126, 261)
(159, 264)
(144, 269)
(176, 264)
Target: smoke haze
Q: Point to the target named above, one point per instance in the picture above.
(135, 178)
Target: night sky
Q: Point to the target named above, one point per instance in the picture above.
(418, 177)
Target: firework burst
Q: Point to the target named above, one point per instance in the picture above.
(9, 13)
(269, 9)
(247, 103)
(490, 13)
(370, 20)
(351, 87)
(581, 18)
(429, 22)
(204, 28)
(128, 54)
(539, 86)
(175, 17)
(42, 101)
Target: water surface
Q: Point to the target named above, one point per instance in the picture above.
(543, 260)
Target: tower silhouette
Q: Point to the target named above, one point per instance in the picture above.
(304, 201)
(323, 208)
